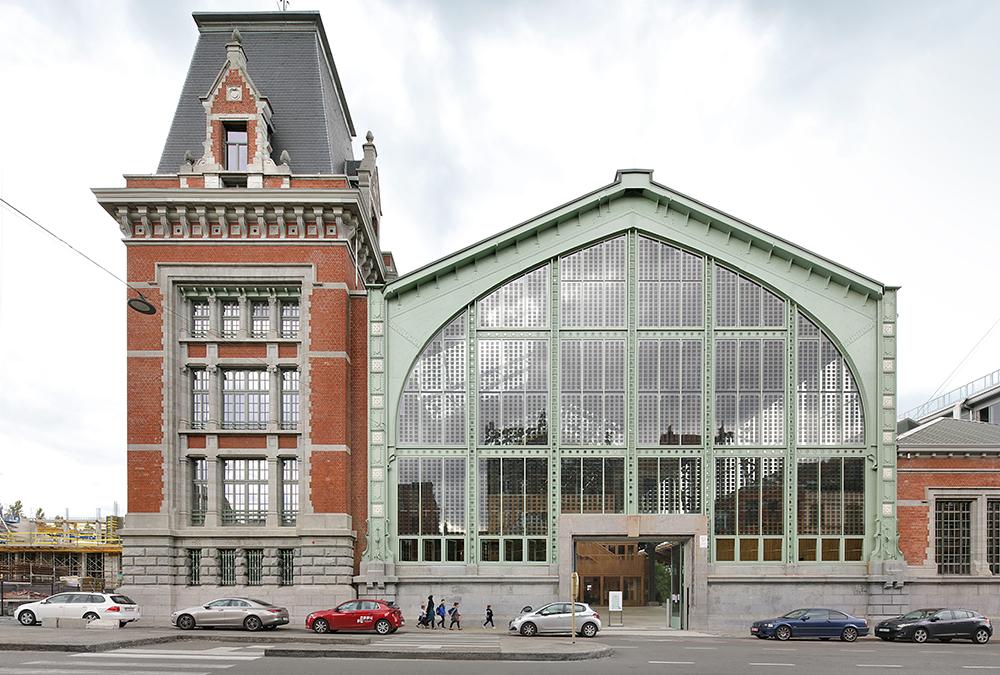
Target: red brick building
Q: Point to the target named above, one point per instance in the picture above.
(949, 510)
(256, 240)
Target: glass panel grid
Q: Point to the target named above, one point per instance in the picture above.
(289, 319)
(199, 490)
(513, 386)
(829, 405)
(749, 509)
(289, 491)
(953, 536)
(246, 402)
(670, 286)
(669, 392)
(200, 380)
(592, 283)
(592, 484)
(289, 399)
(432, 409)
(830, 504)
(749, 392)
(200, 318)
(522, 303)
(593, 392)
(743, 303)
(669, 484)
(430, 502)
(513, 508)
(260, 319)
(244, 491)
(230, 318)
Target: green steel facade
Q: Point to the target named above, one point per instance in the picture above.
(631, 360)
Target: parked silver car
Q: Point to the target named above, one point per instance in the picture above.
(244, 613)
(557, 617)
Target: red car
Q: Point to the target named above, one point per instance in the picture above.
(377, 615)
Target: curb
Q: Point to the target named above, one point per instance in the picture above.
(322, 652)
(124, 643)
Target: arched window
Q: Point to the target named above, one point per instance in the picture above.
(432, 408)
(829, 410)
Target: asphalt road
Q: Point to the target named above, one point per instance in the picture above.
(657, 653)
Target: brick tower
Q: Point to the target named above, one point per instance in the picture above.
(257, 241)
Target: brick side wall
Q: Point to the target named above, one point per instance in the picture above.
(145, 481)
(330, 492)
(329, 391)
(358, 420)
(329, 333)
(244, 351)
(242, 442)
(145, 400)
(145, 331)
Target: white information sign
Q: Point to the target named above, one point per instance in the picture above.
(703, 541)
(614, 601)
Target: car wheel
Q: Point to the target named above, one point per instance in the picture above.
(26, 618)
(90, 616)
(920, 635)
(321, 626)
(383, 627)
(589, 630)
(849, 634)
(529, 629)
(981, 636)
(252, 623)
(185, 622)
(783, 633)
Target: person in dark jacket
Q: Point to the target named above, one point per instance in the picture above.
(441, 612)
(489, 617)
(456, 617)
(430, 611)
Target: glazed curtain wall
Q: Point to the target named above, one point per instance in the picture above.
(630, 376)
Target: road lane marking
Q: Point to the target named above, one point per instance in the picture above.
(87, 671)
(673, 663)
(188, 655)
(877, 665)
(120, 664)
(785, 665)
(780, 649)
(982, 667)
(701, 648)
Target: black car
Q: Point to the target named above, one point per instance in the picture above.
(945, 625)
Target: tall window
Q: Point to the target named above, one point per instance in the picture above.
(592, 288)
(289, 319)
(255, 566)
(199, 398)
(230, 318)
(749, 508)
(289, 491)
(513, 509)
(199, 490)
(194, 566)
(593, 392)
(245, 399)
(670, 376)
(742, 303)
(593, 484)
(200, 318)
(669, 484)
(227, 566)
(431, 509)
(513, 386)
(432, 408)
(236, 147)
(993, 535)
(829, 410)
(831, 508)
(289, 399)
(286, 566)
(260, 319)
(670, 286)
(520, 303)
(953, 536)
(749, 392)
(244, 491)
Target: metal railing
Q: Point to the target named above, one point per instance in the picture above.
(945, 401)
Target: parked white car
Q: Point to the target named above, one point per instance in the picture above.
(557, 617)
(87, 606)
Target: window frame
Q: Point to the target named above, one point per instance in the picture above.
(245, 490)
(499, 537)
(242, 147)
(423, 540)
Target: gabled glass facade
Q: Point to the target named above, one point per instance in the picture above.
(631, 375)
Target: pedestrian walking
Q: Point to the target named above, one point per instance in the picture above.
(456, 617)
(422, 618)
(430, 611)
(489, 617)
(441, 614)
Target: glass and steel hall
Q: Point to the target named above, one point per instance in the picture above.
(625, 358)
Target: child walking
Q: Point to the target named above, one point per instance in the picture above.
(489, 617)
(441, 614)
(456, 617)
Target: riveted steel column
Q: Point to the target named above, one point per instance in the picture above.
(790, 553)
(708, 424)
(632, 383)
(555, 412)
(472, 431)
(379, 482)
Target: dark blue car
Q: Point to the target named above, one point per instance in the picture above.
(811, 623)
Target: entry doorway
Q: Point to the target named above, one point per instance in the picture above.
(649, 573)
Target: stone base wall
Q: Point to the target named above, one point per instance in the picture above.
(156, 575)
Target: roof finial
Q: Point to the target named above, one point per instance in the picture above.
(370, 137)
(285, 158)
(237, 38)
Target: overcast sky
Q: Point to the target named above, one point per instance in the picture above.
(864, 131)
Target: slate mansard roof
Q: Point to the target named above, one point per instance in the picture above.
(289, 59)
(946, 432)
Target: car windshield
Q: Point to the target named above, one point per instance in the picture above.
(795, 614)
(920, 614)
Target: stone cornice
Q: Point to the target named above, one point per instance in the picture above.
(264, 215)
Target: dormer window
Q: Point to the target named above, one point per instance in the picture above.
(236, 146)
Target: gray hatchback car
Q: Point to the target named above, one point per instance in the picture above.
(557, 617)
(245, 613)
